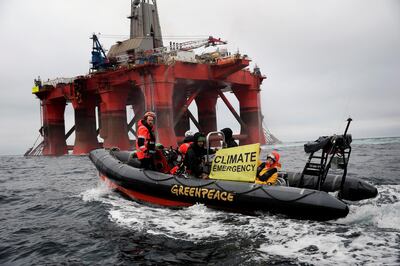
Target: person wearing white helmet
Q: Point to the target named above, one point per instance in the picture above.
(188, 136)
(183, 148)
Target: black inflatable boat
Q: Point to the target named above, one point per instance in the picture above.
(302, 195)
(175, 191)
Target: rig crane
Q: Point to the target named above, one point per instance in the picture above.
(150, 55)
(190, 45)
(187, 46)
(99, 57)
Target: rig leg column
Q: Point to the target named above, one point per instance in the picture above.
(183, 124)
(138, 104)
(163, 92)
(250, 113)
(206, 107)
(113, 118)
(85, 126)
(54, 127)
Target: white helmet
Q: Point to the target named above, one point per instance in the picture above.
(189, 133)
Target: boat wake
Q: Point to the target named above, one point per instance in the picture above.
(356, 239)
(382, 212)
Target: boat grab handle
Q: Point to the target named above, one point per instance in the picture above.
(219, 133)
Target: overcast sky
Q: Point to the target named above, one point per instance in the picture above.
(324, 60)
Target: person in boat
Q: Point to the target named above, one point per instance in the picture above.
(267, 172)
(160, 159)
(146, 141)
(183, 148)
(194, 159)
(189, 138)
(230, 141)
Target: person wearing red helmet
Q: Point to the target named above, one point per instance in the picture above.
(267, 172)
(146, 140)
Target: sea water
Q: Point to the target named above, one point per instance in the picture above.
(55, 211)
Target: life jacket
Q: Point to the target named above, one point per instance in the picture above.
(184, 148)
(268, 174)
(146, 141)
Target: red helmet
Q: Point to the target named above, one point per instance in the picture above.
(274, 155)
(277, 156)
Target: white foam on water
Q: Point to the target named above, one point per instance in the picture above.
(97, 193)
(194, 223)
(292, 248)
(389, 216)
(320, 244)
(123, 216)
(357, 239)
(385, 216)
(382, 212)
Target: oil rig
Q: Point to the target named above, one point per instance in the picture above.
(142, 73)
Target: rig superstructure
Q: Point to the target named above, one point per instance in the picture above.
(142, 73)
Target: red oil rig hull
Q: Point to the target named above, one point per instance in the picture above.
(166, 89)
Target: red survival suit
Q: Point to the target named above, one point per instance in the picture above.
(146, 141)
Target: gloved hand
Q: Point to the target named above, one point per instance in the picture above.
(260, 167)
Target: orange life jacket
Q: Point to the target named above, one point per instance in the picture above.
(146, 138)
(184, 148)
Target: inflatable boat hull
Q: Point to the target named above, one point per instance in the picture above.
(172, 191)
(354, 189)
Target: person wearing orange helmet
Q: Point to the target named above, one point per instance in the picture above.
(267, 172)
(146, 140)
